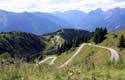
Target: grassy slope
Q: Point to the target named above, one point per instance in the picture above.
(65, 56)
(97, 55)
(112, 41)
(80, 72)
(101, 56)
(5, 56)
(92, 54)
(113, 38)
(45, 72)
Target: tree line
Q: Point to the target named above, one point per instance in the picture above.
(75, 42)
(121, 43)
(99, 35)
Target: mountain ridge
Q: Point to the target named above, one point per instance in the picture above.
(43, 22)
(28, 46)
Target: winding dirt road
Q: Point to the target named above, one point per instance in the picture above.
(114, 55)
(69, 60)
(50, 57)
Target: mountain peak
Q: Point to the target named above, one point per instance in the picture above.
(2, 10)
(97, 11)
(75, 12)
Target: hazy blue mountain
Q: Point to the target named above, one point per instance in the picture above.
(113, 19)
(40, 23)
(30, 22)
(75, 17)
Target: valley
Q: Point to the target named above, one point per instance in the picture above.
(62, 39)
(67, 54)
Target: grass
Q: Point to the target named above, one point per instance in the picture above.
(90, 64)
(112, 40)
(30, 72)
(48, 61)
(99, 55)
(5, 56)
(92, 54)
(23, 71)
(65, 56)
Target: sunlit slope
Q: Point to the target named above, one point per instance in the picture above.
(65, 56)
(92, 55)
(112, 40)
(87, 54)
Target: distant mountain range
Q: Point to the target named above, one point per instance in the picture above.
(40, 23)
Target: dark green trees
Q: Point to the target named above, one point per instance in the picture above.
(121, 43)
(72, 38)
(99, 35)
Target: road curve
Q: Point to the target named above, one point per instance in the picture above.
(50, 57)
(69, 60)
(114, 53)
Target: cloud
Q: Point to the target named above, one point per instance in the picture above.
(63, 1)
(119, 0)
(58, 5)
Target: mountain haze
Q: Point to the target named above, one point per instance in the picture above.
(39, 22)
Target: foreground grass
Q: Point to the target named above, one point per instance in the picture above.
(27, 72)
(23, 71)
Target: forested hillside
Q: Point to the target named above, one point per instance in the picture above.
(28, 46)
(21, 45)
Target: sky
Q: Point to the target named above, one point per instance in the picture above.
(59, 5)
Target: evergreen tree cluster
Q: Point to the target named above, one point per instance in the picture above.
(99, 35)
(21, 45)
(68, 44)
(121, 43)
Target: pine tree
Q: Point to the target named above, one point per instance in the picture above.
(99, 35)
(121, 43)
